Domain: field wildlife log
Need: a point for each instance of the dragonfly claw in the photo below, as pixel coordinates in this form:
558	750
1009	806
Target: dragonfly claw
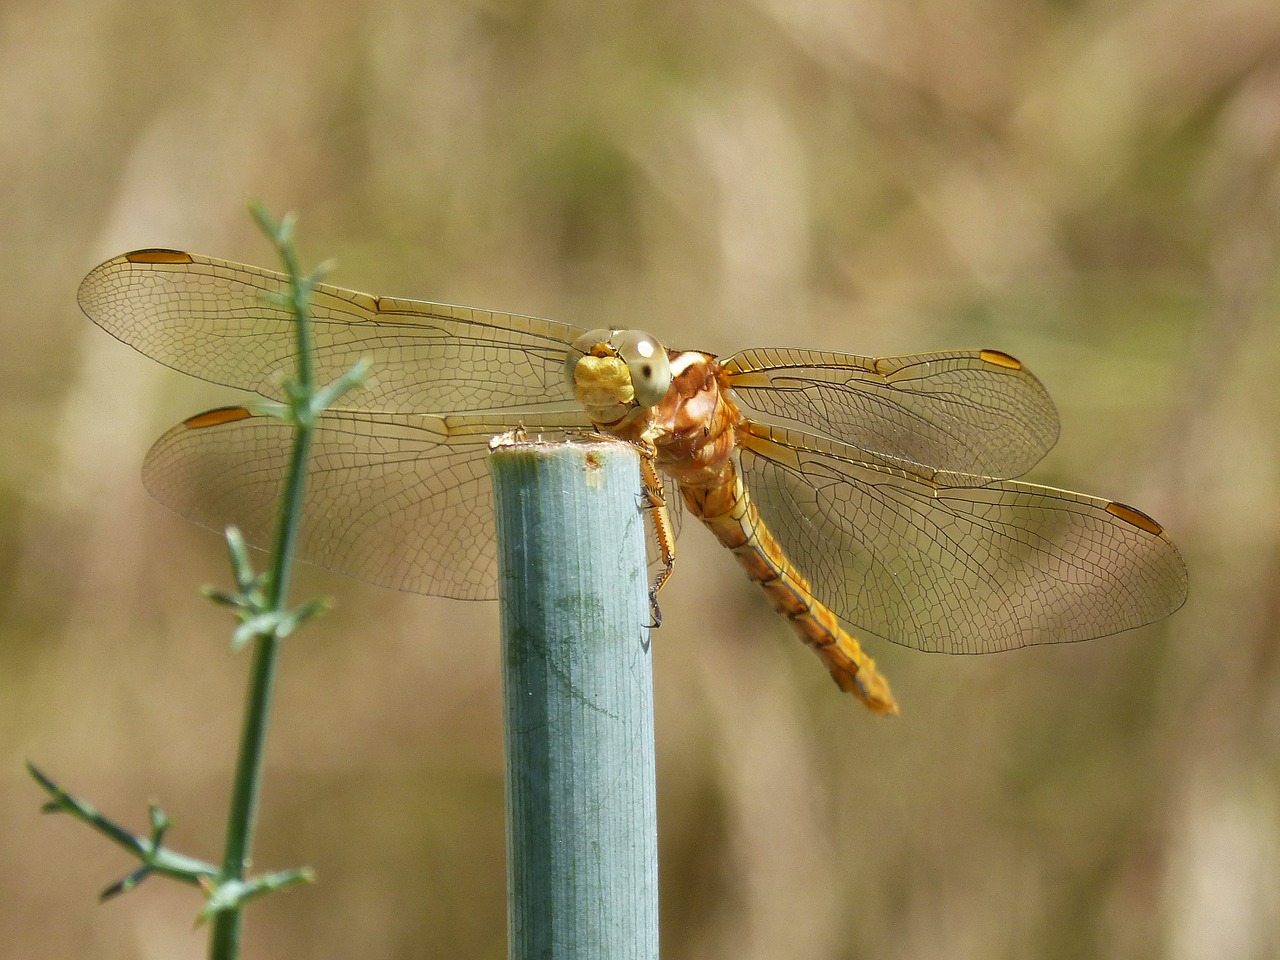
654	609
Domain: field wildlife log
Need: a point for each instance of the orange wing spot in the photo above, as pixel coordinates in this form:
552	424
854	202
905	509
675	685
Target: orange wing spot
158	255
215	418
1132	515
1000	359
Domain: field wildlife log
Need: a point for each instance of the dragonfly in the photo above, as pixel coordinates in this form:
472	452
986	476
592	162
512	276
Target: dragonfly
869	498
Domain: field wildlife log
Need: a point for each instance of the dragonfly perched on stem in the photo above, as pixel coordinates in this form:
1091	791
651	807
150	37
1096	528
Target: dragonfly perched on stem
869	497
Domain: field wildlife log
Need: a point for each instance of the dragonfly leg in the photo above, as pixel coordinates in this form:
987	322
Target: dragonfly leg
653	500
656	503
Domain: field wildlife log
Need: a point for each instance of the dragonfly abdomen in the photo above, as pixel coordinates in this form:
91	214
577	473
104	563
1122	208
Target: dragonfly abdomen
728	512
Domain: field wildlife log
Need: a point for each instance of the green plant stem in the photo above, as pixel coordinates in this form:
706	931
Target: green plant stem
224	943
261	603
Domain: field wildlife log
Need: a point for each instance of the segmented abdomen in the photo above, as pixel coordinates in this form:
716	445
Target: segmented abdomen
728	511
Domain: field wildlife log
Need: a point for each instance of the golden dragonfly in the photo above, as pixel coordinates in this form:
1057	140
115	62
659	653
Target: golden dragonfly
868	497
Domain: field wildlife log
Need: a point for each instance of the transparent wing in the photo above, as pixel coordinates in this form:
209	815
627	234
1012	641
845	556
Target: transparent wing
400	500
975	412
916	558
217	320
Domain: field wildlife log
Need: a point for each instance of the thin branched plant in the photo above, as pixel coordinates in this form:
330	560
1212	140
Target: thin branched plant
260	601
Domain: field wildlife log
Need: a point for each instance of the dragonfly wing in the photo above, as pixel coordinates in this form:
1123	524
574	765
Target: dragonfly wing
976	412
935	563
221	321
399	500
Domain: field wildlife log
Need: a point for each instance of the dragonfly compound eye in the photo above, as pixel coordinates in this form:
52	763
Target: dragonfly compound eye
646	359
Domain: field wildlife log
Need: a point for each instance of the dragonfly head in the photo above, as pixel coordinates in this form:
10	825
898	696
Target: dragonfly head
612	371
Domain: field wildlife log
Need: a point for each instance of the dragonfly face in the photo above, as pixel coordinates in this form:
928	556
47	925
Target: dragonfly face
611	371
867	495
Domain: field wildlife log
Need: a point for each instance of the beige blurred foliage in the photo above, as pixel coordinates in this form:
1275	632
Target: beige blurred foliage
1092	187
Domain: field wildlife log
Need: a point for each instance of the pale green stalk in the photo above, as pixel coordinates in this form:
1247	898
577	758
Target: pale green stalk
578	703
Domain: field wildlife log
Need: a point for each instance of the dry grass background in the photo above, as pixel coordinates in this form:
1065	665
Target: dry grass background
1092	187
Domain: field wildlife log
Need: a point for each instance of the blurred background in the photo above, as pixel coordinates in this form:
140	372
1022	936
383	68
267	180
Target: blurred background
1094	188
